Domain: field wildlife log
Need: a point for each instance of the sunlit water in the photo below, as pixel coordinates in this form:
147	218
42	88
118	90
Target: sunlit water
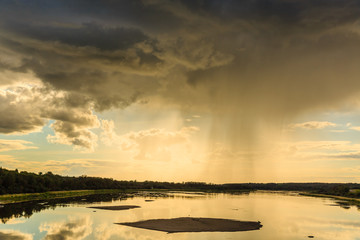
283	216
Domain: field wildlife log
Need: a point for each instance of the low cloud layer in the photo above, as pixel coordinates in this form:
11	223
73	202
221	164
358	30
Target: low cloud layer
313	125
152	144
14	235
9	145
67	167
318	151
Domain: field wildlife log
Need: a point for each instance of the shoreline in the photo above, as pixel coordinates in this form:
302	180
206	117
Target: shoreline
357	200
27	197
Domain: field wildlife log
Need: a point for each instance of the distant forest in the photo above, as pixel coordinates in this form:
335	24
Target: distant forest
13	181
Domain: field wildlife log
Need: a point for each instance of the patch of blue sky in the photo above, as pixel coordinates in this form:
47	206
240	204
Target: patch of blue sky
341	132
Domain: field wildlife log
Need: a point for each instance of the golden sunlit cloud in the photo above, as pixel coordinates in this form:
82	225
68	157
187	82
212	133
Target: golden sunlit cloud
9	145
313	125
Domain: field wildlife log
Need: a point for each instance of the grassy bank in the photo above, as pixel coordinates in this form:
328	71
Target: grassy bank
23	197
355	200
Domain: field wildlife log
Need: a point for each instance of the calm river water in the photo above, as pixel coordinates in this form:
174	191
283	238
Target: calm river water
283	216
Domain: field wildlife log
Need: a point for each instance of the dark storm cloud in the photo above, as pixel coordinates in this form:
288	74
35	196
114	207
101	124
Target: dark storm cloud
97	73
285	12
13	235
260	9
245	61
125	13
87	34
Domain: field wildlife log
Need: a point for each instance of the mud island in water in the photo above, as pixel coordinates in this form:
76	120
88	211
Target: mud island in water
116	208
189	224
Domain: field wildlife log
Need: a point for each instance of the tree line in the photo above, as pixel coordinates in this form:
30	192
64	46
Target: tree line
13	181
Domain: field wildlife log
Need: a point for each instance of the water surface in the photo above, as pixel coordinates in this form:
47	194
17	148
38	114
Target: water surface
283	216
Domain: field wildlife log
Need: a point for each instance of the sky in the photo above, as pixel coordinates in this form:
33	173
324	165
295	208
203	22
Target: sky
213	91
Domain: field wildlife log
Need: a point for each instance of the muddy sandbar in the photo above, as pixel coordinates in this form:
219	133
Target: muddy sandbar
189	224
116	208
